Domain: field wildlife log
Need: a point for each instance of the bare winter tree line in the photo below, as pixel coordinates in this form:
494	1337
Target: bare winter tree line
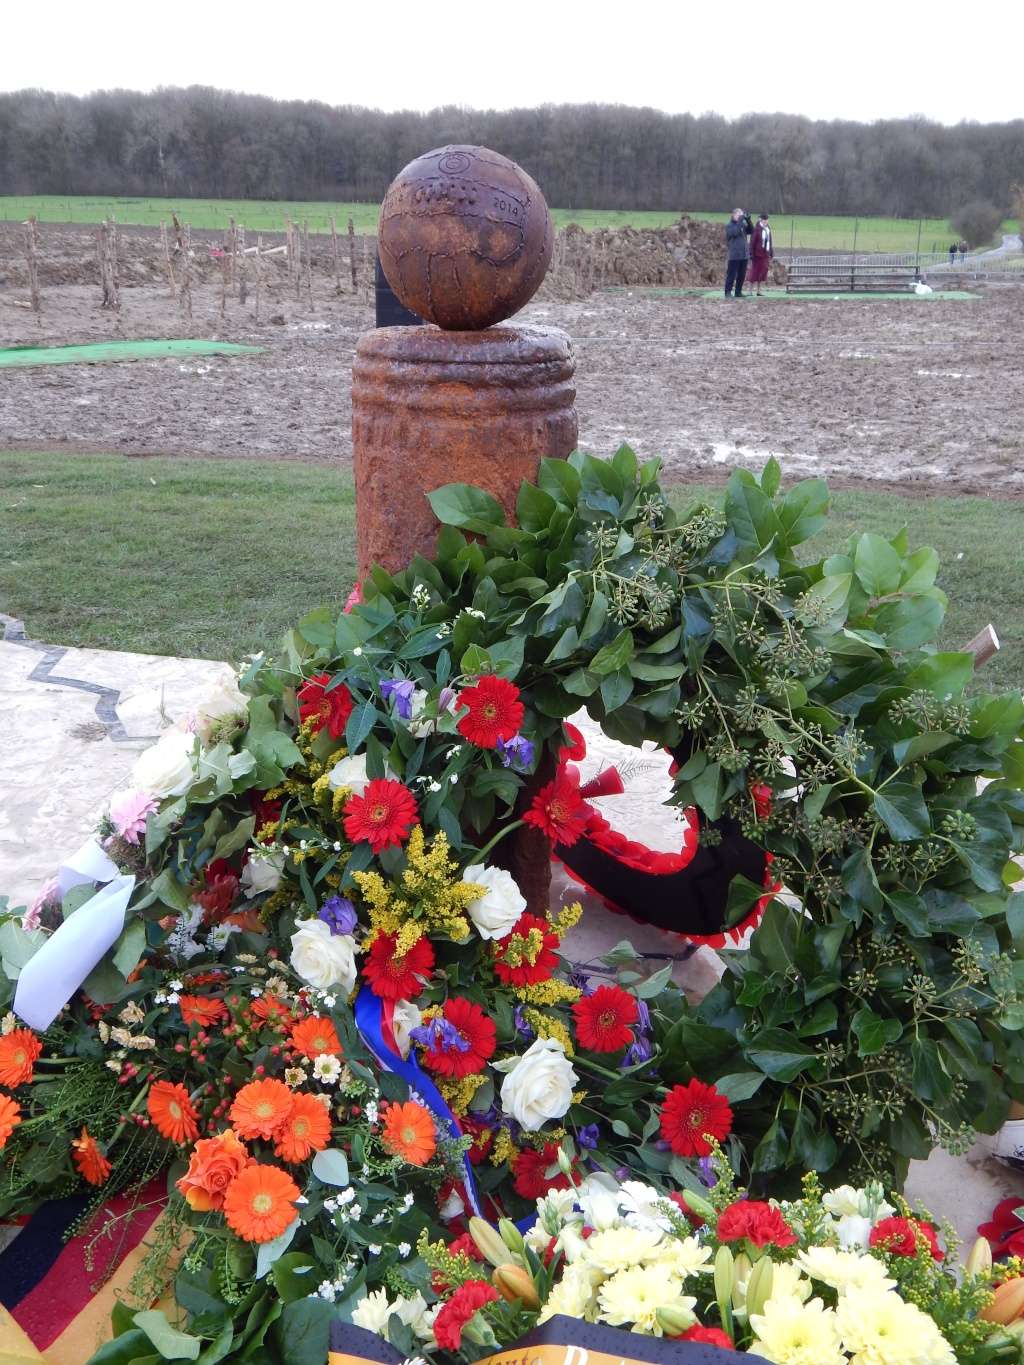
202	142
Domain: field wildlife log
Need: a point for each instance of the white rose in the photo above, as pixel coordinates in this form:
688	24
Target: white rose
842	1201
418	724
349	772
262	874
496	911
853	1231
324	959
453	1207
225	700
540	1086
406	1017
166	767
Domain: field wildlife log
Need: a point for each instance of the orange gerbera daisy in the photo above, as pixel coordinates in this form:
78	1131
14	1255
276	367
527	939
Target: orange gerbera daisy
315	1036
270	1007
409	1133
18	1052
198	1009
172	1111
260	1108
10	1117
259	1203
307	1129
92	1165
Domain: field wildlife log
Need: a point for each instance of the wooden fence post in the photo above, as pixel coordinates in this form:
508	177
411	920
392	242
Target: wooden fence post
309	261
259	272
334	246
352	253
168	264
106	239
31	252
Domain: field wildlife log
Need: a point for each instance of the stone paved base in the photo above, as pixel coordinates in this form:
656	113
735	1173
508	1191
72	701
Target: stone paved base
75	720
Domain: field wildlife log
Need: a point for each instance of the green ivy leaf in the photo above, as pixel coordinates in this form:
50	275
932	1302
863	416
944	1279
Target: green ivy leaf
804	510
740	1085
172	1344
780	1054
613	656
902	810
460	504
877	565
873	1033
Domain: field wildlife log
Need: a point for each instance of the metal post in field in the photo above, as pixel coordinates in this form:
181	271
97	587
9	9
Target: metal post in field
917	252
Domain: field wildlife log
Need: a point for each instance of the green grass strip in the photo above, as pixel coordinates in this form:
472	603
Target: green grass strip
216	558
777	295
102	352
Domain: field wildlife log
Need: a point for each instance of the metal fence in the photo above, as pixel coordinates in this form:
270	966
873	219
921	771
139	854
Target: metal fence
925	263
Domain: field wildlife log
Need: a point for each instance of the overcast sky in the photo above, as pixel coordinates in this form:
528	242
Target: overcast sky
864	61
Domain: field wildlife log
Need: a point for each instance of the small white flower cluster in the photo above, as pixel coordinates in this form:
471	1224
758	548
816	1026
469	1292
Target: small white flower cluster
373	1311
330	1289
169	996
326	1069
420	597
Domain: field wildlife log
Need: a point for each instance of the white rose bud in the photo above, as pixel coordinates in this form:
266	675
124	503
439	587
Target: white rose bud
262	874
540	1086
496	911
406	1017
225	700
324	959
349	772
166	767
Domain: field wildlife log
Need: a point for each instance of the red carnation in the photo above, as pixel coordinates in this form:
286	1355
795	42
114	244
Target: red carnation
394	977
464	1042
463	1244
331	708
266	810
530	1169
761	795
383	816
710	1336
527	955
494	711
463	1305
690	1112
757	1222
604	1019
901	1236
559	810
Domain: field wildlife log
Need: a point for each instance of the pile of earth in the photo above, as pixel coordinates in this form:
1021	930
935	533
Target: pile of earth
689	253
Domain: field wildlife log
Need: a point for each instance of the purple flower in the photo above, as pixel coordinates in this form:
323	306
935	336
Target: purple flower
339	914
643	1016
522	1027
638	1051
446	699
579	979
622	1173
440	1036
401	690
588	1136
707	1172
516	752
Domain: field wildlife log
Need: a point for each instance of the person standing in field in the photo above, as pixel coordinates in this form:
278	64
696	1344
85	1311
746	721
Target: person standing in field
762	251
952	252
737	230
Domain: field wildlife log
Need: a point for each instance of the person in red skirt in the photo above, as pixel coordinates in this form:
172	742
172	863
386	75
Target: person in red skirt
761	253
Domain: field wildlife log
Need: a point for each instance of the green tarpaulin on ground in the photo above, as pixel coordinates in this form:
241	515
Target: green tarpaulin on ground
101	352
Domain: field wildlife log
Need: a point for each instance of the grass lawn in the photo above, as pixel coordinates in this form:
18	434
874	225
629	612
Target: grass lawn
216	558
808	231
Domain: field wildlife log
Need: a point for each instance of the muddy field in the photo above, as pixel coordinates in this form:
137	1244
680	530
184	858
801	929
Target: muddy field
924	394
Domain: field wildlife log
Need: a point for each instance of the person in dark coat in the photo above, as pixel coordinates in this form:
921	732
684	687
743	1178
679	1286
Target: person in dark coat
952	252
737	230
762	250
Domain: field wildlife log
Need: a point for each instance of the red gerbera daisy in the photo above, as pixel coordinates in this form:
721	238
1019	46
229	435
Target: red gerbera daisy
482	1135
394	977
754	1221
761	795
527	955
331	708
576	749
710	1336
383	816
690	1112
462	1040
900	1237
463	1305
559	810
1004	1230
494	711
530	1169
604	1019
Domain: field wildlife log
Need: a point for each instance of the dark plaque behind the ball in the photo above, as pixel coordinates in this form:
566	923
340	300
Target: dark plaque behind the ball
391	312
465	237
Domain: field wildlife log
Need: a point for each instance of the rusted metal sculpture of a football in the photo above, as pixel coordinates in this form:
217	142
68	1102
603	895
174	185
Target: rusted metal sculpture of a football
465	237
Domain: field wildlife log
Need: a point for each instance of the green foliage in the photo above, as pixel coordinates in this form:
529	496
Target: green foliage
875	1011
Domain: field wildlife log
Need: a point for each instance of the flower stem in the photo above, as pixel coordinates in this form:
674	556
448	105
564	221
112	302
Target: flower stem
507	829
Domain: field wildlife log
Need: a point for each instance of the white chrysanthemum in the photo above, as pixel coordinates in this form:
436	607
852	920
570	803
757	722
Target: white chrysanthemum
789	1332
844	1270
372	1312
788	1283
634	1296
416	1315
843	1200
853	1231
619	1248
880	1328
574	1295
684	1256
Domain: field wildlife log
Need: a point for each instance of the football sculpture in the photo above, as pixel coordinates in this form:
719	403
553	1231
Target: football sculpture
465	237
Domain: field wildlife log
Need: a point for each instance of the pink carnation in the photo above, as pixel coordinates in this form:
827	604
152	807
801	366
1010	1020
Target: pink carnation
128	814
31	918
354	599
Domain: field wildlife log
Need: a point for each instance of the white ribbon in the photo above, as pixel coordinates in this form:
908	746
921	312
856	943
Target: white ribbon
52	975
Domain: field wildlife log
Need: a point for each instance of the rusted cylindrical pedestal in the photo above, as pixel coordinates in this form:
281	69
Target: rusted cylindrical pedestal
432	407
